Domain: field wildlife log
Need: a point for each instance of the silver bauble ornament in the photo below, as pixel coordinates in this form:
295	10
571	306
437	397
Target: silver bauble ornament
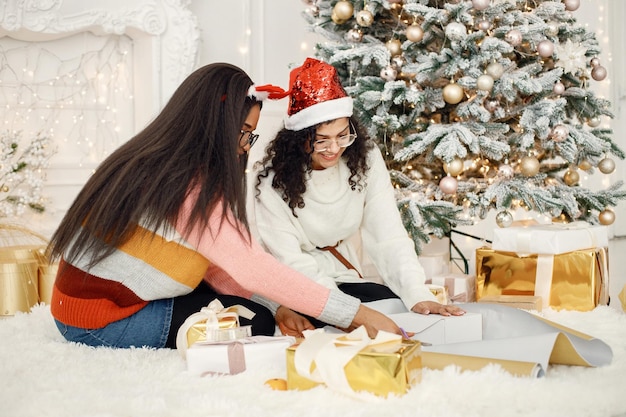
504	219
571	177
495	70
456	31
559	88
453	93
343	10
571	5
606	217
454	167
484	82
364	18
545	49
414	33
394	46
594	121
480	4
354	35
598	73
388	73
606	166
506	171
559	133
448	184
529	166
514	37
552	29
484	25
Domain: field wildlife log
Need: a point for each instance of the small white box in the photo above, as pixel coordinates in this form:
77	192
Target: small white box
236	356
435	329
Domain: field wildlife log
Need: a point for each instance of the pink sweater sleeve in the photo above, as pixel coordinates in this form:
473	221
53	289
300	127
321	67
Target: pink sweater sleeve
250	270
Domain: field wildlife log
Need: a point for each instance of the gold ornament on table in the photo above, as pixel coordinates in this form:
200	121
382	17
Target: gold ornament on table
529	166
453	93
606	166
606	217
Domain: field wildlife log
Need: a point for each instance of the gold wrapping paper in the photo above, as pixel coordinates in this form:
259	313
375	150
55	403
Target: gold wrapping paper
18	286
381	370
525	302
439	361
622	297
197	332
578	278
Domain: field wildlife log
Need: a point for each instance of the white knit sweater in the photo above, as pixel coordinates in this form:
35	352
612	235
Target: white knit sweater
335	213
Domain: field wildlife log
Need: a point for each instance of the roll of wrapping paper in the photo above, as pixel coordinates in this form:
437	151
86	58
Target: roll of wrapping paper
18	286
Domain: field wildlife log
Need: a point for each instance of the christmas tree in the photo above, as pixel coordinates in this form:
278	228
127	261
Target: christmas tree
476	105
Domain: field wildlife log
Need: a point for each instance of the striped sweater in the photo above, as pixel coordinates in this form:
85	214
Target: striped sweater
160	265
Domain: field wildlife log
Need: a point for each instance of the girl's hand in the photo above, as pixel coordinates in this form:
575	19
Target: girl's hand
291	323
433	307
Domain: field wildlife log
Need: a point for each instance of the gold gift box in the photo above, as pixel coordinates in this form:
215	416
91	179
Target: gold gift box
383	369
228	326
579	278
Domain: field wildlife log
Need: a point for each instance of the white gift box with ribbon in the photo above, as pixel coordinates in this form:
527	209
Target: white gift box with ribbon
548	240
253	353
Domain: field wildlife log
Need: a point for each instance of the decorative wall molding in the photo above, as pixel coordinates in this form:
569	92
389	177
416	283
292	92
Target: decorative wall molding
168	26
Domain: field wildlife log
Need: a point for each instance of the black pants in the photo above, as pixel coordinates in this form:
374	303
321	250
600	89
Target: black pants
263	322
364	291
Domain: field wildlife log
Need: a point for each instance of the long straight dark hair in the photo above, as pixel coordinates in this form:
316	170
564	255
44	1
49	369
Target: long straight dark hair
192	143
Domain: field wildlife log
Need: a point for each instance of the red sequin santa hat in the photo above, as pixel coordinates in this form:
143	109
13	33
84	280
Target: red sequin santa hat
316	95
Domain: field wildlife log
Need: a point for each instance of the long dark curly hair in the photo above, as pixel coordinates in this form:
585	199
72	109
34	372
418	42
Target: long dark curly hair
288	155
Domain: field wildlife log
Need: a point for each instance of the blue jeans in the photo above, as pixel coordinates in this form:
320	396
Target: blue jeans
148	327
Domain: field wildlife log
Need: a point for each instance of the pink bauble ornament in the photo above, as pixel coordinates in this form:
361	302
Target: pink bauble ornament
559	88
354	35
571	5
388	73
484	25
559	133
514	37
598	73
480	4
414	33
594	62
545	49
448	185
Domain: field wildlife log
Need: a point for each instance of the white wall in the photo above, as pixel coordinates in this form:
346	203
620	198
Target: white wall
266	38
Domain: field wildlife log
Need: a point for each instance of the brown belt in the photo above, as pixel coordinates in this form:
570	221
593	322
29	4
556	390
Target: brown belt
340	257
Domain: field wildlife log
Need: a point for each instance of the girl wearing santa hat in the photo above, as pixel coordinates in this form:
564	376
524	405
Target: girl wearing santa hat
322	182
160	229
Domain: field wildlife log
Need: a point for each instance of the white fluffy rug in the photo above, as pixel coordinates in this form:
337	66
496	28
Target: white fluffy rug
43	375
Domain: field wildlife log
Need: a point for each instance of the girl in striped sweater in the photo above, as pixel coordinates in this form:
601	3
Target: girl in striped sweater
160	230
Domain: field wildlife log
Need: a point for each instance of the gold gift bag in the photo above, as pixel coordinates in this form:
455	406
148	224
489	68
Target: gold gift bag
579	279
382	369
18	286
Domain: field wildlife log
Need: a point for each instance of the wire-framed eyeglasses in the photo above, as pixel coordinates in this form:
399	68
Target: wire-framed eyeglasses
341	141
250	139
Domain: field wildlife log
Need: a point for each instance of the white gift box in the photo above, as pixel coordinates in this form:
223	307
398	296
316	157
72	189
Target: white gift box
236	356
437	330
461	287
550	239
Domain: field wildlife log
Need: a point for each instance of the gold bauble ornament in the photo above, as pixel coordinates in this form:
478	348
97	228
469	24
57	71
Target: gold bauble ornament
606	166
5	188
453	93
594	121
342	12
277	384
585	165
529	166
454	167
365	18
606	217
484	82
571	177
394	46
414	33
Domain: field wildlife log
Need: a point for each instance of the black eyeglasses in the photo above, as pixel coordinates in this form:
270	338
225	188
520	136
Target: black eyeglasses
252	137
